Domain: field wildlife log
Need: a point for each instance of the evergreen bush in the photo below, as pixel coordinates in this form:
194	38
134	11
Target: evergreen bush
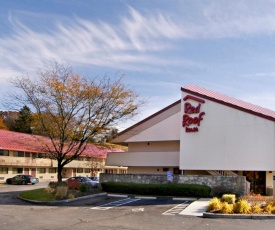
189	190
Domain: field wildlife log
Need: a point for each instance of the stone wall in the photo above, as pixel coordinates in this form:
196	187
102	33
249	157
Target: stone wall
236	184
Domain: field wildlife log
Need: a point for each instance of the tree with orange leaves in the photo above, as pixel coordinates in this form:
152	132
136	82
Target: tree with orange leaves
71	110
2	124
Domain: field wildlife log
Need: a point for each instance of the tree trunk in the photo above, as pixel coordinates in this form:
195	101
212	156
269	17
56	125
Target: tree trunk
59	171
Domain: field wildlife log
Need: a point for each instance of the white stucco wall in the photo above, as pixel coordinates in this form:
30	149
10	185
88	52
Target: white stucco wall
143	159
228	139
166	130
154	146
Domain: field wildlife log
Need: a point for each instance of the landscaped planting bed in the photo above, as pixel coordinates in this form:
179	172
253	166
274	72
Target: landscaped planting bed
249	204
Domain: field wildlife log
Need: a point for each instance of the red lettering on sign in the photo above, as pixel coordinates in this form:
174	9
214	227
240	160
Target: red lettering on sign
187	120
188	108
192	130
190	120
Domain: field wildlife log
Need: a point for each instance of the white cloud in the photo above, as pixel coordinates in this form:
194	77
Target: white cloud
134	43
80	41
261	75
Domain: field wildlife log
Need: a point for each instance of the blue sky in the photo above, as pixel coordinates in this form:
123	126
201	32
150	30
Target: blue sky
160	45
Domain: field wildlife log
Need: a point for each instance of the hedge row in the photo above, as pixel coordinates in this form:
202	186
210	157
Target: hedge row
189	190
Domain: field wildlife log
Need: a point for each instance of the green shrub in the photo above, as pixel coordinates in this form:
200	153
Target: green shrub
229	198
242	207
214	204
226	208
83	188
190	190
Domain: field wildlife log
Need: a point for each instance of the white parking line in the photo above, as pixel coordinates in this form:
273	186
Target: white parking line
177	209
115	204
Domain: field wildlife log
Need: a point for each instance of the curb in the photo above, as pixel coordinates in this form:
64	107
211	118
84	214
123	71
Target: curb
104	194
238	216
63	201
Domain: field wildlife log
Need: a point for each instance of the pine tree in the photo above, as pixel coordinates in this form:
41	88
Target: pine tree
24	120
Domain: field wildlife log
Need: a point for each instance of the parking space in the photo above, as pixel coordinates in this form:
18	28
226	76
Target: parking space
162	206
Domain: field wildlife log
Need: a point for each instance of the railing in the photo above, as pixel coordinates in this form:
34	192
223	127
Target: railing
28	161
75	164
24	161
222	173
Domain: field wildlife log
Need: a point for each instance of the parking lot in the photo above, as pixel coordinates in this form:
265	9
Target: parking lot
108	213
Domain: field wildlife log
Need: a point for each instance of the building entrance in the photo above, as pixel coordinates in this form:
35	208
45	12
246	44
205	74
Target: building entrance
257	181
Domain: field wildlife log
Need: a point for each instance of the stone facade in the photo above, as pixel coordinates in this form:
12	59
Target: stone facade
236	184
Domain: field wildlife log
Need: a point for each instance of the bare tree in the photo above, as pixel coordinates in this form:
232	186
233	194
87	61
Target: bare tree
96	164
71	109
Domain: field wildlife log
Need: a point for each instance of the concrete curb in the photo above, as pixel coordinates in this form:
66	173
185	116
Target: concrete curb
238	216
63	201
103	194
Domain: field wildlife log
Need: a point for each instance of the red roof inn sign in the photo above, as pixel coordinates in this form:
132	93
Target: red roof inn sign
192	115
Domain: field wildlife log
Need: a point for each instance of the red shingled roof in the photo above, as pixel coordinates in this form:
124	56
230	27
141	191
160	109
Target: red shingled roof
229	101
32	143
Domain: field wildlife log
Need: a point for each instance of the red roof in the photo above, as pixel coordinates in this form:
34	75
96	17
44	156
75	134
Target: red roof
229	101
32	143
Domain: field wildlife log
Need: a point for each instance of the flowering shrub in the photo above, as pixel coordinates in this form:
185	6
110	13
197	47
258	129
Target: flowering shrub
73	184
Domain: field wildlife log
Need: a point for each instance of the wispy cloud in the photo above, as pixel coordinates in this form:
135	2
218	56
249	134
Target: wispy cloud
129	45
261	75
227	19
135	43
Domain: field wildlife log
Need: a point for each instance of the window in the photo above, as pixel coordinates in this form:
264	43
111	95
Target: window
27	154
41	155
52	170
3	170
165	169
87	170
17	170
41	170
18	154
4	152
79	170
33	155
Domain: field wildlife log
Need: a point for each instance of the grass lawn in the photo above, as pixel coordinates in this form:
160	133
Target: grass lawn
37	194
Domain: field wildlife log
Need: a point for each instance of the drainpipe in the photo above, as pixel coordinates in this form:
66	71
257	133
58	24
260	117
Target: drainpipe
273	184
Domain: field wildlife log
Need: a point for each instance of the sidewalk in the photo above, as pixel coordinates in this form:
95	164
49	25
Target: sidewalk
197	208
